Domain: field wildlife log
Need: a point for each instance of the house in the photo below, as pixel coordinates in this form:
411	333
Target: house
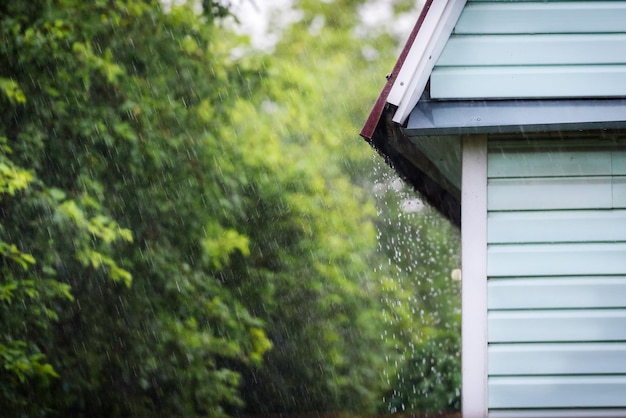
509	116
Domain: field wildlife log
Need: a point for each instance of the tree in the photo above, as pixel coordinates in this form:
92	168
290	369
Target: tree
424	318
110	110
310	106
307	273
183	232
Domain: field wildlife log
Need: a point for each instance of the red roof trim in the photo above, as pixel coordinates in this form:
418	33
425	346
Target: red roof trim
368	129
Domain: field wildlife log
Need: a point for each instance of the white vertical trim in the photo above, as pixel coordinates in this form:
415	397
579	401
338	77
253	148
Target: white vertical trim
423	55
474	281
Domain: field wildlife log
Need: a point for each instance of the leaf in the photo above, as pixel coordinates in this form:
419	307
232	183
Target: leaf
56	194
12	91
13	179
118	274
7	291
260	344
13	253
219	248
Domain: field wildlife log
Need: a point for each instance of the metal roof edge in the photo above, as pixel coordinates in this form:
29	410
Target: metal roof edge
423	55
376	113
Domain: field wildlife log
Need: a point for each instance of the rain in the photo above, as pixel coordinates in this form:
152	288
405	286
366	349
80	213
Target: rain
190	224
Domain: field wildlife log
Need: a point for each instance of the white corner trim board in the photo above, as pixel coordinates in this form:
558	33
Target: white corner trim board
474	281
423	55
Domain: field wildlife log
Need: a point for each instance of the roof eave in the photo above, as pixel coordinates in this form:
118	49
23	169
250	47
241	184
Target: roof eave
407	81
391	142
376	113
424	53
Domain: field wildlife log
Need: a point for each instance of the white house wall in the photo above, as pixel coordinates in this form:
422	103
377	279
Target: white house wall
556	268
532	49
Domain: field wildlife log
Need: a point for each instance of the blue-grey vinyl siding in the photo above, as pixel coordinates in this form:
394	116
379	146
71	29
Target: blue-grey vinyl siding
534	49
556	263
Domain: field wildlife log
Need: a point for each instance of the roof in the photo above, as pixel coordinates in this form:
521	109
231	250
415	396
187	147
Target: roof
472	67
408	78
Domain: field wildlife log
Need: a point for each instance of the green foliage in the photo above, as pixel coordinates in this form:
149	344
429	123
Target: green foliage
110	284
185	234
12	91
422	318
430	380
328	352
221	244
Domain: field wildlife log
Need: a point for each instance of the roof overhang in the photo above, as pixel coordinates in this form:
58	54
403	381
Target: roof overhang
408	79
421	137
412	161
422	56
426	151
404	86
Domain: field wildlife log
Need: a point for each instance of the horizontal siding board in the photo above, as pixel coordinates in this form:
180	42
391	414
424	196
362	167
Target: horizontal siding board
556	226
544	163
550	193
533	1
619	191
557	392
541	260
557	359
558	49
619	163
556	266
589	141
558	413
557	293
542	17
528	82
556	326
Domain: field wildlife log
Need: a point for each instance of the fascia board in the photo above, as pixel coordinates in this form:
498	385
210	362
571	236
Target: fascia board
423	55
514	116
416	51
